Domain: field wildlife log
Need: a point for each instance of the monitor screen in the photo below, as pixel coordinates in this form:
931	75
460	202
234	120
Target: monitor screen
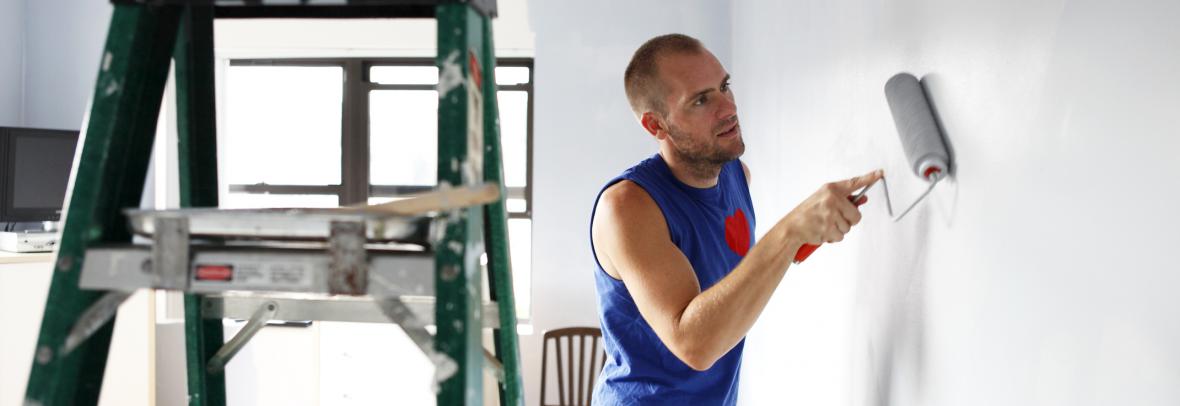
37	167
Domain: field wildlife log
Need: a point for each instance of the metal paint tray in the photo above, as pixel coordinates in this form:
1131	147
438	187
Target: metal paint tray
286	224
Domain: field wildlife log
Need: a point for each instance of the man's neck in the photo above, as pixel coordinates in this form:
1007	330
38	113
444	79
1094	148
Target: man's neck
700	175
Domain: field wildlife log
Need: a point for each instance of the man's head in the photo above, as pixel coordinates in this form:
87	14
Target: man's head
681	95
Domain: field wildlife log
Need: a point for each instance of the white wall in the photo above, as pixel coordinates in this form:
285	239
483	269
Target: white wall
12	32
585	134
63	41
1041	273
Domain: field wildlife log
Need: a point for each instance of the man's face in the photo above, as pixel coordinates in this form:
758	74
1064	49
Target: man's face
702	122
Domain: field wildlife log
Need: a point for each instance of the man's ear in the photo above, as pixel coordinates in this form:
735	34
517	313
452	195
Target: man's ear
653	124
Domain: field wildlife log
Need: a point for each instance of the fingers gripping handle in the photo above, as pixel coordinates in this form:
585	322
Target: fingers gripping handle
806	250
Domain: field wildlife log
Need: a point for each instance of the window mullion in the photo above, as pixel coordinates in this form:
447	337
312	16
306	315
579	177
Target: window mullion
354	157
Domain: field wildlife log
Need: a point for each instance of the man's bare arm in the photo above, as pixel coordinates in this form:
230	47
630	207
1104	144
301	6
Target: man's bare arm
632	241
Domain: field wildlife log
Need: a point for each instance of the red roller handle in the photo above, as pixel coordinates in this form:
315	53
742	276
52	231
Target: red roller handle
806	250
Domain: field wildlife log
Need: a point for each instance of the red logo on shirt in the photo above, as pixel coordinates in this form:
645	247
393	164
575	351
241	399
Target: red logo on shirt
737	232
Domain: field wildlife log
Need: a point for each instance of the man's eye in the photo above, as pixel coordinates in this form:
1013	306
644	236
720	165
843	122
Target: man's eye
699	101
725	87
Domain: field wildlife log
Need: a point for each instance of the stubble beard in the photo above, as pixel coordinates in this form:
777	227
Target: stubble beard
703	158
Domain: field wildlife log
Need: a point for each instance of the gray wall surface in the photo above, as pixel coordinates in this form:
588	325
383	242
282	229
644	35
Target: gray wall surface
12	32
63	43
1041	274
585	134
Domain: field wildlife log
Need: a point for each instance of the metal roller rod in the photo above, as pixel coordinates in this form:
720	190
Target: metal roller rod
889	204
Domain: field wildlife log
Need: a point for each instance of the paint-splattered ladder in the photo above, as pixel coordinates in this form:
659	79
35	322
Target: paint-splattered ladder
347	277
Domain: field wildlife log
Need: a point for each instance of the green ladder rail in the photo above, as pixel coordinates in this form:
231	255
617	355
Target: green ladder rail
143	37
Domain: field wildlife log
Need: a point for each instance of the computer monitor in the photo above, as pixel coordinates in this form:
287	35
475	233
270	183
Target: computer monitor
34	172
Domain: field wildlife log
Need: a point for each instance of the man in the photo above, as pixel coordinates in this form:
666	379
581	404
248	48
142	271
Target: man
680	280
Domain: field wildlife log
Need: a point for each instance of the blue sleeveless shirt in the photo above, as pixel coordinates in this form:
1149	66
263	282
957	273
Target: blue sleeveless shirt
713	228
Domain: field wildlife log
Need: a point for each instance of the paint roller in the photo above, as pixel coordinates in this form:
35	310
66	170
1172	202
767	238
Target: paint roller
920	138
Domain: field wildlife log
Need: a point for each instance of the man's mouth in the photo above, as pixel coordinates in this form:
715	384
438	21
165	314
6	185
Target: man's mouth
729	132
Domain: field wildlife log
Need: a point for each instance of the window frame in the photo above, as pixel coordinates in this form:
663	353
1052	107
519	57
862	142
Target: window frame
355	181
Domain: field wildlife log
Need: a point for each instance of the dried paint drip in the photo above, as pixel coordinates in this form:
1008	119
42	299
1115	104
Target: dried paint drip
444	368
112	88
451	75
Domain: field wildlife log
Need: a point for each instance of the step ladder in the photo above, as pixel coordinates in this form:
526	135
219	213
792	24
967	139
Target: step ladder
413	262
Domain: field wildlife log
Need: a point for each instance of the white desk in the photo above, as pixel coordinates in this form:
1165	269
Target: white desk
15	258
24	286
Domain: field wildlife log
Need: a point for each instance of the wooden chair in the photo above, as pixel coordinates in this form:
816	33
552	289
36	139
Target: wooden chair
575	376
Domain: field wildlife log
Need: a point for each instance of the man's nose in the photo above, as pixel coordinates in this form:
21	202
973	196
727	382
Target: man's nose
728	107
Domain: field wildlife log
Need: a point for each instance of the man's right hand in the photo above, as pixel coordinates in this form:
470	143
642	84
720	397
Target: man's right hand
827	215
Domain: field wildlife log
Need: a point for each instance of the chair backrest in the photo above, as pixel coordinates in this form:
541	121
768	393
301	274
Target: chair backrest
579	358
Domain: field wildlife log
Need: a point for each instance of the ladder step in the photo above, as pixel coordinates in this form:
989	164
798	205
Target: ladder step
407	220
217	269
286	224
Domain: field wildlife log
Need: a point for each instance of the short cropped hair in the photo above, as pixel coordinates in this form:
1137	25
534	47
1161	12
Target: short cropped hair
642	81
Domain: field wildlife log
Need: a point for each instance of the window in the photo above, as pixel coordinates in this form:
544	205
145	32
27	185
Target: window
329	132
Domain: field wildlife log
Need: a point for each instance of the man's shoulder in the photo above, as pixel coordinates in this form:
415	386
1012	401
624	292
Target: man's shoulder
626	197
